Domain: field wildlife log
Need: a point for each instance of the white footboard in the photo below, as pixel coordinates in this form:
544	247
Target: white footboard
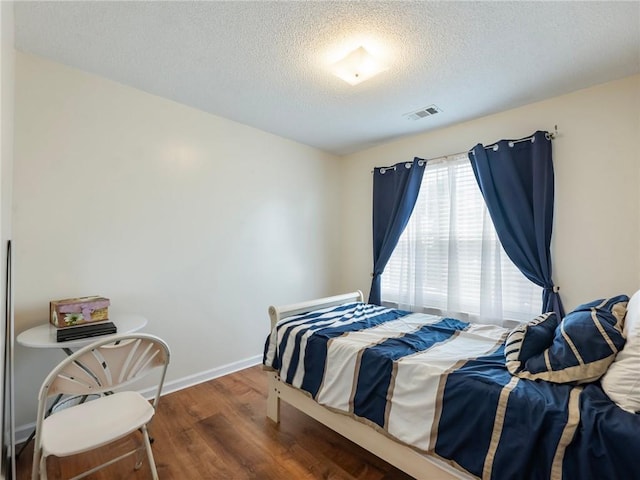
401	456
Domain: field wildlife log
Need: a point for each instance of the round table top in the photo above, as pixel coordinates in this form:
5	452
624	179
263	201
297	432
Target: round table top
44	336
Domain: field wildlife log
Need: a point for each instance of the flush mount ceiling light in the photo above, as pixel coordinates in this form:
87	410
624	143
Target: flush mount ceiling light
357	66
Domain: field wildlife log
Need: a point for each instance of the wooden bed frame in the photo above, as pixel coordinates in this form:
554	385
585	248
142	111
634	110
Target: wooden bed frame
400	455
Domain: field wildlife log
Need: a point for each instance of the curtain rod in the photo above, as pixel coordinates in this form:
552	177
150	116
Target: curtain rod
494	146
551	136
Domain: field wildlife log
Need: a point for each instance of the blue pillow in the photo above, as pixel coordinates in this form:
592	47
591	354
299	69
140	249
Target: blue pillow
585	343
529	339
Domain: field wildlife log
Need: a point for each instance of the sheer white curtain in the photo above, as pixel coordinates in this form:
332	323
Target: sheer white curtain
449	259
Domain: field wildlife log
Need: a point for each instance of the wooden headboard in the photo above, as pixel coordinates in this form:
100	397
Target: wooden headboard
278	313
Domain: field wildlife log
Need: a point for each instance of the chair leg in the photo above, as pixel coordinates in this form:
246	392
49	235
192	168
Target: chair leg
36	465
43	467
147	444
141	452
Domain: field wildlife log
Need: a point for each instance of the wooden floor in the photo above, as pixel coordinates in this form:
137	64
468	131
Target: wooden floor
219	430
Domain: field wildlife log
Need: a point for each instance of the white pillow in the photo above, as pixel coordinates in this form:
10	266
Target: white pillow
622	380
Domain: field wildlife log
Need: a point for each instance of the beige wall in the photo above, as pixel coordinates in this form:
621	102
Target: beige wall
596	234
197	222
200	223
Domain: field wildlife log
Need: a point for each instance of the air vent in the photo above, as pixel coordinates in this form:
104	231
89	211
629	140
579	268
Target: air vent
423	112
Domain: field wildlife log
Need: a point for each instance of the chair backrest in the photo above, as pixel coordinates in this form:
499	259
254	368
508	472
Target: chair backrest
108	364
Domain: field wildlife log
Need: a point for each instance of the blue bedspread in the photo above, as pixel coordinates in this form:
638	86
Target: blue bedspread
441	386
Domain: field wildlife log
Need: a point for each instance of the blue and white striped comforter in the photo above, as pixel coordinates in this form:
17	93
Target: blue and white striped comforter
441	386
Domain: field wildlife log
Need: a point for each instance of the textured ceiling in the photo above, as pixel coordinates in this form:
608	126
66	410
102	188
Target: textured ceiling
264	63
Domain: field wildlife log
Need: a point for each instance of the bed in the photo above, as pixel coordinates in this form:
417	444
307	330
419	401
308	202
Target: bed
395	383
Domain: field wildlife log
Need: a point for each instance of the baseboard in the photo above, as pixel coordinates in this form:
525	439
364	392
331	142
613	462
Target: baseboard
23	431
191	380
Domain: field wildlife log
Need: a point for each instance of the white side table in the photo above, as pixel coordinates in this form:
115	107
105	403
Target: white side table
44	336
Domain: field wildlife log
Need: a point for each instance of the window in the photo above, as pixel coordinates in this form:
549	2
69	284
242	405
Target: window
449	260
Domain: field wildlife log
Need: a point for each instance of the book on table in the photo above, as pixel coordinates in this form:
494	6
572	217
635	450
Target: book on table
87	330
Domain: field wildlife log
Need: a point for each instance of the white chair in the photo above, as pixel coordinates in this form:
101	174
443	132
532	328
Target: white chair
103	367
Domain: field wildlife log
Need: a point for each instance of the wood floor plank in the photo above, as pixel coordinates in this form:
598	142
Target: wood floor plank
218	430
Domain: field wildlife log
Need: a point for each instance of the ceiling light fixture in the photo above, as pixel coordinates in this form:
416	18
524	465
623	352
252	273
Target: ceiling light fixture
357	66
